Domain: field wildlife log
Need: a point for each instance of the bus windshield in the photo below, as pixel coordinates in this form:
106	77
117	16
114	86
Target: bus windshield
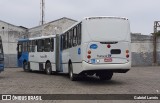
108	29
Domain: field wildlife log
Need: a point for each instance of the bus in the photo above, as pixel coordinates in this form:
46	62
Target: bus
1	56
95	46
98	46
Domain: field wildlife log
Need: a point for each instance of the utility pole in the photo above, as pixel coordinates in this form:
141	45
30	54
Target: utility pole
42	12
156	26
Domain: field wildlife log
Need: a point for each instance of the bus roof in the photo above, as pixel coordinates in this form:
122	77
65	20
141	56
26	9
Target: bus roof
41	37
23	39
106	17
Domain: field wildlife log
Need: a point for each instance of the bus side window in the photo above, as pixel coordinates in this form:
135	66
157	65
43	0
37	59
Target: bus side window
61	42
52	44
19	48
47	45
75	37
24	47
79	34
68	36
29	46
33	46
64	42
71	38
40	45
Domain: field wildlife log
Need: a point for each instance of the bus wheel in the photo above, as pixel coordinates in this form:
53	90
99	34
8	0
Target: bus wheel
25	67
72	76
106	76
48	69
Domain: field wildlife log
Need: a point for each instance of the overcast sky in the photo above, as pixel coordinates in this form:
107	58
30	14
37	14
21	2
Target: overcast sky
141	13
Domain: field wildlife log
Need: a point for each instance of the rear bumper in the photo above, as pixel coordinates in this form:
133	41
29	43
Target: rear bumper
121	68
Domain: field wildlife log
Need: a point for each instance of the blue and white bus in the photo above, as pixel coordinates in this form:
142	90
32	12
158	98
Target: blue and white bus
1	56
95	46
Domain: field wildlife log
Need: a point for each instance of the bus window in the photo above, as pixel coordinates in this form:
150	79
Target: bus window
71	38
75	37
79	34
24	47
47	45
61	42
64	42
29	46
33	45
40	45
52	44
19	47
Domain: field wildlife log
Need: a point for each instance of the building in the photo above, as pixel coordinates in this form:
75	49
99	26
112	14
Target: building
10	33
51	28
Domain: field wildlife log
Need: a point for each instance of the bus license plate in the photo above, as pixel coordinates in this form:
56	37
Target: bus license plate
108	60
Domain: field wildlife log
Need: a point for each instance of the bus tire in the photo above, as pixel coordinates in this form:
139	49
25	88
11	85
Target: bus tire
25	66
72	76
106	76
48	69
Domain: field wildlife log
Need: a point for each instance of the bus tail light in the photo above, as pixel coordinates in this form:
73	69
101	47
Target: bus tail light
89	51
127	56
108	46
127	53
88	56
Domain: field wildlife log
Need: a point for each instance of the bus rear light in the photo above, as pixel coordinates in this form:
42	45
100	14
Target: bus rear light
88	56
127	51
89	52
127	56
108	46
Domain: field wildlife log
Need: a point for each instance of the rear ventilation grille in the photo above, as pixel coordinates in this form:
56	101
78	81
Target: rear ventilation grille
115	51
109	42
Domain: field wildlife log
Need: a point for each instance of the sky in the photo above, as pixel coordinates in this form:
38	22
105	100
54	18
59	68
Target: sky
141	13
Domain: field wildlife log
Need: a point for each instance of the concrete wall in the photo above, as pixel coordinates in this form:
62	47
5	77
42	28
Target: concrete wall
10	34
142	50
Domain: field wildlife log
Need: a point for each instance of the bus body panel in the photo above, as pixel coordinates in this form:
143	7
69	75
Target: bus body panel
24	57
110	31
73	55
116	52
41	58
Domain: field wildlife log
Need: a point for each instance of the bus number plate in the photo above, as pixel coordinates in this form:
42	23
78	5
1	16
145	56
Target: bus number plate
108	60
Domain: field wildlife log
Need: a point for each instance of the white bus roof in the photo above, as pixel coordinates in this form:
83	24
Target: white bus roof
102	17
42	37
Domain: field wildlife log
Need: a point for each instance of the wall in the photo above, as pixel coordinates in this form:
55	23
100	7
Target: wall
10	34
142	50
